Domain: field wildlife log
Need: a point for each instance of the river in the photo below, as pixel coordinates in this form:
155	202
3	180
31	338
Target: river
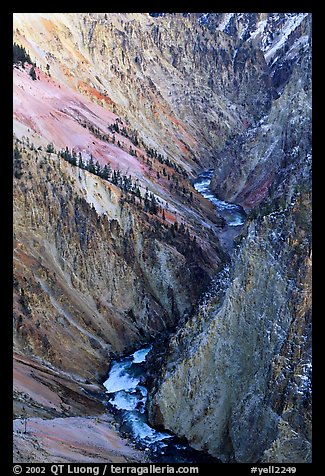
125	387
127	397
233	214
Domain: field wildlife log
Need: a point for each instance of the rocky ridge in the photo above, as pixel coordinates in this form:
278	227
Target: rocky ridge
257	162
105	276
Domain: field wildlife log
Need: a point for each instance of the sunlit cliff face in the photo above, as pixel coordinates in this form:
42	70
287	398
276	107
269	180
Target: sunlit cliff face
164	75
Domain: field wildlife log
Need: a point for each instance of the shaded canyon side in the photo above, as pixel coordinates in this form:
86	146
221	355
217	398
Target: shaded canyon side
236	380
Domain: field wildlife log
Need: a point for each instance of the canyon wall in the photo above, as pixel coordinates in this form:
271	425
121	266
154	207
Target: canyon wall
255	164
236	380
184	87
96	276
93	273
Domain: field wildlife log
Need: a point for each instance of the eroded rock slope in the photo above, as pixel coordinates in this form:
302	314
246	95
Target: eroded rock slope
96	274
237	378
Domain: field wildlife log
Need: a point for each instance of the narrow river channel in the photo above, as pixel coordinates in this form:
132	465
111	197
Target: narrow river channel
127	400
127	394
233	214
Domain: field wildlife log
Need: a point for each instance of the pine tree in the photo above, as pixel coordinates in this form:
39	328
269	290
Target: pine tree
65	154
153	205
114	178
80	161
17	163
182	228
24	419
106	172
50	148
73	159
138	193
97	168
32	73
146	200
91	165
127	183
20	55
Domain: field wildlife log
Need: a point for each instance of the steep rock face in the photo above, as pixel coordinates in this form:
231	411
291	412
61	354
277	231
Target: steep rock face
92	273
255	164
241	390
99	276
236	379
280	36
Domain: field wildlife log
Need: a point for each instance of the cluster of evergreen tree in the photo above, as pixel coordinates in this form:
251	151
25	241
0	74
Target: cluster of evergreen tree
115	128
20	55
154	154
106	137
131	134
151	152
95	130
184	242
150	203
92	166
124	182
178	236
181	189
32	73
